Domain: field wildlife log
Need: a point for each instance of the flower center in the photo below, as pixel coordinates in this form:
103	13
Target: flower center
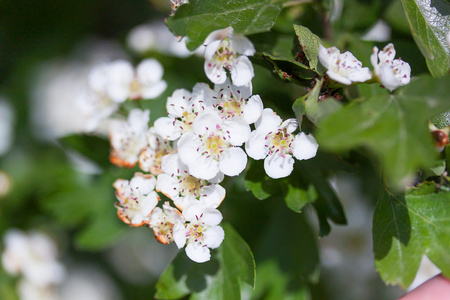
280	141
186	120
232	107
164	228
135	89
215	144
224	53
191	185
195	233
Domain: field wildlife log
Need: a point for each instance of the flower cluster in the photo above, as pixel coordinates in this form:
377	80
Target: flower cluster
32	256
187	154
346	69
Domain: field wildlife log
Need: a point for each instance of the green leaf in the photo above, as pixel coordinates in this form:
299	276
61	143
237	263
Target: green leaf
394	126
258	182
430	22
220	278
314	109
406	227
310	45
200	17
297	198
286	68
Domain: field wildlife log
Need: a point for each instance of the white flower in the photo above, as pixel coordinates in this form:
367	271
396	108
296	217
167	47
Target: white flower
184	189
29	291
164	221
392	73
156	37
274	142
234	101
226	50
201	233
212	146
119	81
182	109
128	138
150	158
32	255
137	199
343	68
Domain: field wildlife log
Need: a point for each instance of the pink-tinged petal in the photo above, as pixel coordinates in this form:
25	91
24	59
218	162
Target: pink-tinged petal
256	146
153	91
203	167
253	109
214	237
238	131
198	253
207	122
178	103
166	128
242	71
215	71
233	161
269	122
277	166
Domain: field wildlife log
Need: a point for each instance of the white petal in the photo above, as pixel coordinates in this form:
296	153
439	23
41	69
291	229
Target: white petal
211	49
256	146
277	166
189	147
207	122
338	77
237	129
166	128
304	146
215	72
149	71
178	103
242	71
170	164
241	44
290	124
252	109
203	167
233	161
153	91
179	236
166	185
214	237
213	195
198	253
269	122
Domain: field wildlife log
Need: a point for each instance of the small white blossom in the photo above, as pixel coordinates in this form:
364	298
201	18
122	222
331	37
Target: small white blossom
234	101
213	146
137	199
392	73
184	189
177	3
343	68
228	51
34	256
200	233
119	81
164	221
128	138
150	158
156	37
182	109
274	141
